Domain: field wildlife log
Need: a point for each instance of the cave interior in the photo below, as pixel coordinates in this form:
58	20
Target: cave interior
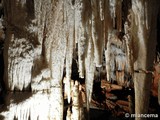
77	60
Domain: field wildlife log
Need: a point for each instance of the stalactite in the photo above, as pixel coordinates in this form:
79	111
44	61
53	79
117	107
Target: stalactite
80	36
101	6
22	2
18	50
110	57
119	14
70	45
109	25
97	33
18	63
41	73
90	69
112	9
128	40
68	89
146	14
107	58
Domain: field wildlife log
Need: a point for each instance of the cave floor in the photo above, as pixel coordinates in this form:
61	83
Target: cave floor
112	103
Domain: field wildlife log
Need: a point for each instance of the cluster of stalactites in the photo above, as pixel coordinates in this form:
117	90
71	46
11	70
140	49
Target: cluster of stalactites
63	27
60	28
86	20
89	26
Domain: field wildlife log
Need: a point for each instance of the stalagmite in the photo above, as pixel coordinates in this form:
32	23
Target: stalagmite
76	112
22	109
68	117
76	101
